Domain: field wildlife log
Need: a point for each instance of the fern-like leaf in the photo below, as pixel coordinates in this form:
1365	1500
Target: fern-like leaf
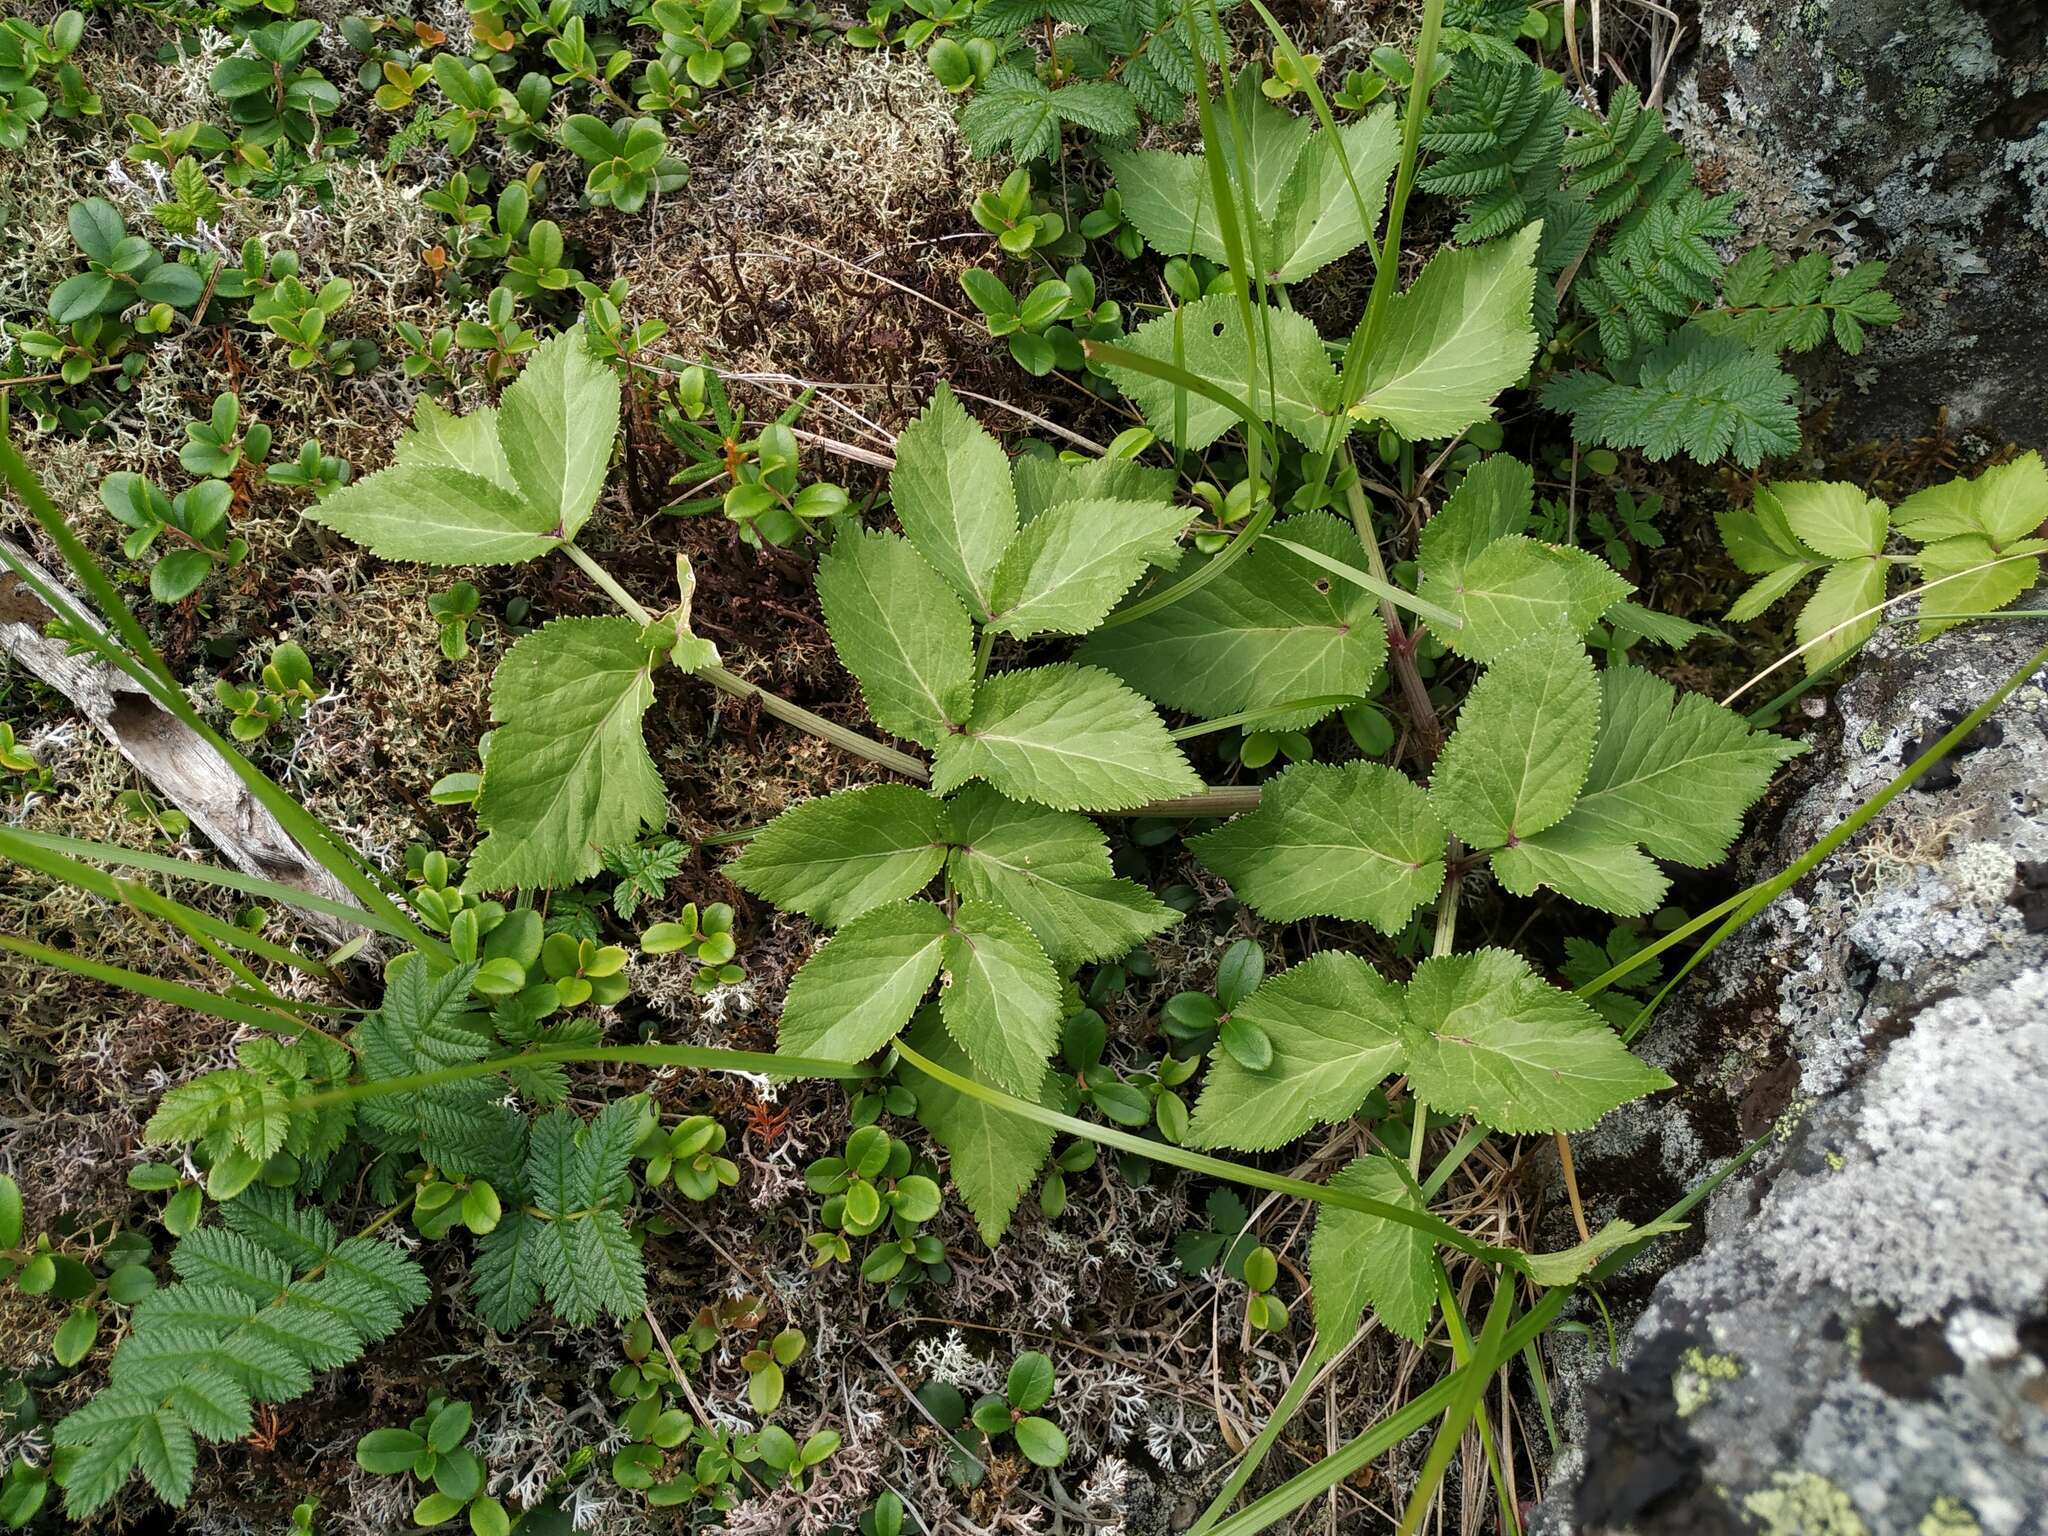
1699	394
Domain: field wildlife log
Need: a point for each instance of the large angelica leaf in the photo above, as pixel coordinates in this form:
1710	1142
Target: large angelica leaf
952	493
1072	563
1295	386
556	424
1002	998
1357	1261
835	857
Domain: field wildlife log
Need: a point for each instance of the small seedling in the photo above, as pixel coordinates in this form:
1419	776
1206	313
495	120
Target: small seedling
777	1448
869	1187
287	688
765	1364
433	1450
688	1156
193	524
629	160
217	445
708	937
26	776
1263	1310
453	610
1028	1388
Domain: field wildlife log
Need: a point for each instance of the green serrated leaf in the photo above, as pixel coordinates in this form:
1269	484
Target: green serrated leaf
1524	740
1272	628
951	489
435	515
1489	1038
900	632
1336	1029
1071	565
1357	1261
1576	861
1843	611
1071	737
1052	869
1001	999
1207	338
468	443
1494	501
1833	518
1357	841
568	774
835	857
1516	587
2006	502
1568	1266
860	987
993	1155
1974	576
1459	336
556	425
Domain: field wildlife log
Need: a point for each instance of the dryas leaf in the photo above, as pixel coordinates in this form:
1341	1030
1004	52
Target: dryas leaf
1052	869
1071	565
1272	628
992	1154
1524	740
1454	340
952	493
568	774
1335	1025
1674	773
1357	1261
556	424
860	987
1001	1000
1489	1038
435	515
900	632
835	857
1356	841
1070	737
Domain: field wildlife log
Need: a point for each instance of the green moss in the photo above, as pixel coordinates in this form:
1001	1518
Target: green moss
1804	1504
1692	1384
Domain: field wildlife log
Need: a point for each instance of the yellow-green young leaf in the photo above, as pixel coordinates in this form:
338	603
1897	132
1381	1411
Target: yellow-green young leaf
556	425
1335	1025
1766	590
1272	628
1052	869
1673	773
900	631
1073	738
1489	1038
568	773
2007	502
1357	1261
1843	611
1524	740
993	1155
860	987
1516	587
1569	1265
468	443
1494	501
952	493
835	857
435	515
1761	541
1833	518
1320	218
1577	862
1454	340
1356	841
1001	1000
1207	338
1979	578
1070	565
10	1213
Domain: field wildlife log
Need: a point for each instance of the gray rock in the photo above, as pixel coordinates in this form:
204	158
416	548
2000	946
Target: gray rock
1853	1340
1915	131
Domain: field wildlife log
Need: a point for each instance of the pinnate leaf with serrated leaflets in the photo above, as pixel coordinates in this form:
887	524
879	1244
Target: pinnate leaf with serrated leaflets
834	857
860	987
1524	739
992	1154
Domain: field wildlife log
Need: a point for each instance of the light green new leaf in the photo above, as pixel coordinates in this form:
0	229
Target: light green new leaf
1069	567
1494	501
1070	737
1832	518
900	631
1516	587
1335	1025
1356	841
860	987
2006	502
835	857
1524	740
1674	773
1319	220
1356	1260
1844	608
468	443
992	1154
1974	577
568	774
1272	628
1454	340
1761	541
1766	590
1052	869
1043	480
1207	338
556	425
434	515
1568	1266
1580	863
951	488
1489	1038
1002	999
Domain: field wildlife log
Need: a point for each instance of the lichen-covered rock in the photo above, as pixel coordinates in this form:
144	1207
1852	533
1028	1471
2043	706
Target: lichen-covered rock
1855	1342
1915	130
